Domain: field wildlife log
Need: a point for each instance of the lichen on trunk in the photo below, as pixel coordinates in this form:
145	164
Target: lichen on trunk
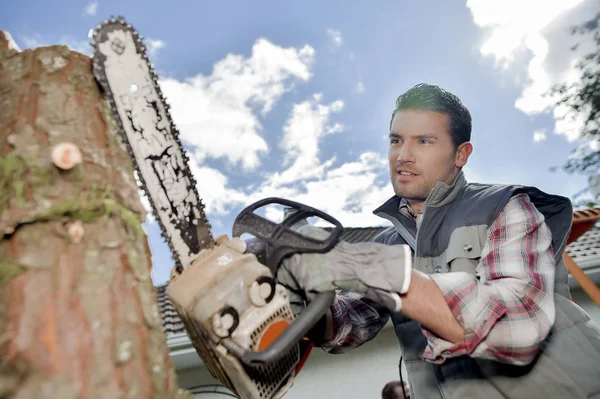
78	310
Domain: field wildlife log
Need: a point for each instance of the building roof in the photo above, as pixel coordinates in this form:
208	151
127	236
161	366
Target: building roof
172	324
585	252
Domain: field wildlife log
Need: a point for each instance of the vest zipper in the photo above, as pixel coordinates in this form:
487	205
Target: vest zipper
419	225
437	380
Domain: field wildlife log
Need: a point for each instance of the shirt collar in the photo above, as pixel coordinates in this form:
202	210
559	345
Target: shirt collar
405	209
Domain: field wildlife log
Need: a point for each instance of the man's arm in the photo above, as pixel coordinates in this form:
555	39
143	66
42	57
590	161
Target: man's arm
506	310
425	303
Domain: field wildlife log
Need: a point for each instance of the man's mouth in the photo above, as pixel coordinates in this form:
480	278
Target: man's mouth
405	173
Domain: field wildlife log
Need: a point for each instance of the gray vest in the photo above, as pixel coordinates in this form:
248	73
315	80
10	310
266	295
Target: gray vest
450	239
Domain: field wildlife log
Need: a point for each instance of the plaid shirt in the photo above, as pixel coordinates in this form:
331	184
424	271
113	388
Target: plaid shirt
506	309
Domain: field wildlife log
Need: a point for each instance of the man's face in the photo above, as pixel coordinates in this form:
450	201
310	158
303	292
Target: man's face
421	153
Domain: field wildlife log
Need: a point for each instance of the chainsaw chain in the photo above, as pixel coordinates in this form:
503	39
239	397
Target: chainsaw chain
100	74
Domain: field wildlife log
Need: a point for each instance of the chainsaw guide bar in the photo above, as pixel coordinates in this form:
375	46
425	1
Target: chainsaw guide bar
141	112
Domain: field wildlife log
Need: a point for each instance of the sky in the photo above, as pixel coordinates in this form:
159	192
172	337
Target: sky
293	99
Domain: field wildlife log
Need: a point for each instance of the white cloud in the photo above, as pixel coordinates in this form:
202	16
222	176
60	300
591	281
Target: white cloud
11	42
307	125
91	8
539	135
228	104
153	45
212	188
150	218
223	103
336	37
349	191
360	87
540	30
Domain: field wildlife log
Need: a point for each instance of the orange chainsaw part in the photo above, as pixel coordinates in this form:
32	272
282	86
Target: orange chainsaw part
306	346
274	331
271	334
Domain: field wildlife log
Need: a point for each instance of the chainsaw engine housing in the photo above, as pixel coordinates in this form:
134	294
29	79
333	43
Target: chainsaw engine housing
227	294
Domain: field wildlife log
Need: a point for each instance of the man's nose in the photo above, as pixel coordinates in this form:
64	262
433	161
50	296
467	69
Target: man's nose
405	154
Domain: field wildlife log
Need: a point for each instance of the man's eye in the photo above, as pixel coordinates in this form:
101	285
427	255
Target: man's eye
424	141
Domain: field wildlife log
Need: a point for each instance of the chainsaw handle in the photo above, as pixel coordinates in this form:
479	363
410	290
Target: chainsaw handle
272	243
290	336
278	240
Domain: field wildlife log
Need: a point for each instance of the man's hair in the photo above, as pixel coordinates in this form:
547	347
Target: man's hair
433	98
389	390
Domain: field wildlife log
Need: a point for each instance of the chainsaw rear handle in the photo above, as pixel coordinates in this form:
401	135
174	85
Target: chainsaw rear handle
290	336
275	241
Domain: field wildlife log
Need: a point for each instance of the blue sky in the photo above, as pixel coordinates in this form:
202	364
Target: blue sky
293	99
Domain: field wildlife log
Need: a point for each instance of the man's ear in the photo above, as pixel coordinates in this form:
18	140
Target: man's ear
463	153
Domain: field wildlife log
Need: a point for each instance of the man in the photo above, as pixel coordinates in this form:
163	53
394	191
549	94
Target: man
471	274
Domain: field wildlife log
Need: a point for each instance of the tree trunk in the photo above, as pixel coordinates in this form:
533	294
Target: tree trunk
78	311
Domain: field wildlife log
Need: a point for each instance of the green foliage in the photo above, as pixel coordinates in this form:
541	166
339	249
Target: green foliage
582	98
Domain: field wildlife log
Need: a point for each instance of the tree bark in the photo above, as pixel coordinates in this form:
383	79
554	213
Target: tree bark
78	310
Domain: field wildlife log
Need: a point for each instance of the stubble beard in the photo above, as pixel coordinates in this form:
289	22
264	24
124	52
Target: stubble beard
418	193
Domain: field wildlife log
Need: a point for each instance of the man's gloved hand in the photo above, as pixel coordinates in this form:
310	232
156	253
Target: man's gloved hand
379	272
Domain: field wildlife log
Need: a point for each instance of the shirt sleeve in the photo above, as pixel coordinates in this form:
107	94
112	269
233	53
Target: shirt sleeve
507	308
356	320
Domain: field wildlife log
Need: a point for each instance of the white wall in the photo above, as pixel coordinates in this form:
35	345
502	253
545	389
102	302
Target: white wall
361	373
581	298
194	377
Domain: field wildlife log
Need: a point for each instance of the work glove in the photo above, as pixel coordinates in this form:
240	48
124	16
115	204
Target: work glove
379	272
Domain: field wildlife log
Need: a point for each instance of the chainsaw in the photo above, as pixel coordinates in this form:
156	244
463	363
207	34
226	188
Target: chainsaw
238	317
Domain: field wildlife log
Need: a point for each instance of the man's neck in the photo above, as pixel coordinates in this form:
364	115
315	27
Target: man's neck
416	206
